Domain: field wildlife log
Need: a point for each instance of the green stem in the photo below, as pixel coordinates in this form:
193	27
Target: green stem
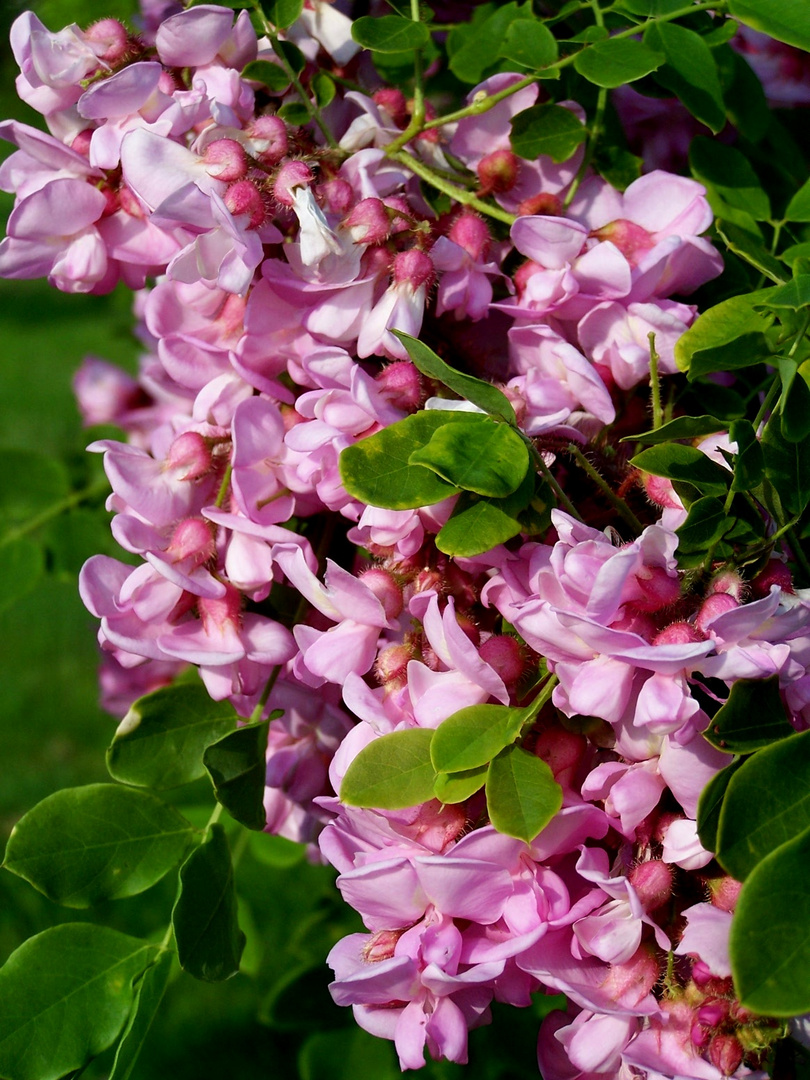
776	385
98	487
224	487
533	710
481	104
459	194
256	715
551	480
618	504
417	121
655	385
596	125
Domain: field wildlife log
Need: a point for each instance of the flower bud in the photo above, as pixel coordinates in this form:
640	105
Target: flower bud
391	667
243	197
394	103
336	195
652	881
402	384
368	222
562	751
190	455
498	171
413	268
292	174
470	232
632	240
221	614
775	573
108	38
81	143
679	633
192	539
661	492
699	1036
268	139
725	1053
385	589
543	204
380	946
503	653
727	581
658	589
724	892
712	606
631	981
225	159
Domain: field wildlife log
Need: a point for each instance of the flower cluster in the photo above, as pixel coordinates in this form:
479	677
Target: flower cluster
272	263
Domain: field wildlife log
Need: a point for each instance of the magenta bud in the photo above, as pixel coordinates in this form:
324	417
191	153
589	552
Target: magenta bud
727	581
385	589
368	222
190	455
632	240
775	573
714	605
192	539
658	589
292	174
714	1012
243	197
380	946
701	973
724	892
726	1053
503	653
109	40
222	614
401	383
561	750
661	492
400	215
678	633
413	268
225	159
524	273
699	1036
268	139
543	204
394	103
336	195
652	881
81	143
168	84
470	232
498	171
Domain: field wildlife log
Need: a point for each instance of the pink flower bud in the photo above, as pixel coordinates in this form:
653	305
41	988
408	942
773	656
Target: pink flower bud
292	174
523	275
268	139
726	1053
713	1012
634	979
652	881
168	84
190	455
562	751
192	539
543	204
81	144
775	573
402	384
109	40
661	492
658	589
503	653
336	195
394	103
701	973
221	615
400	214
699	1036
632	240
470	232
380	946
727	581
712	606
413	268
391	667
225	159
678	633
130	203
724	892
385	589
243	197
368	222
498	171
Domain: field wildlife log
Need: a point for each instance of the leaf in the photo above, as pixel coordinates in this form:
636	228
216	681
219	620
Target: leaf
749	461
346	1055
100	842
276	851
751	248
728	174
237	765
769	943
489	459
798	209
389	33
546	130
690	72
323	87
706	523
148	996
22	564
746	104
731	335
522	794
282	13
294	113
391	773
66	994
473	736
458	787
710	804
793	296
787	466
529	42
752	717
685	463
29	484
271	75
480	393
767	804
291	53
795	401
612	63
377	470
786	21
160	741
478	524
473	48
682	427
206	930
650	7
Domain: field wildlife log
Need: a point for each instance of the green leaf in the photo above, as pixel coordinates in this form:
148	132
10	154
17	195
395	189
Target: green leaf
282	13
710	804
530	43
473	736
489	459
389	33
746	104
650	8
522	794
100	842
160	742
793	296
767	804
478	524
613	62
323	87
690	72
346	1055
706	523
391	773
377	470
748	246
22	564
546	130
291	53
276	851
749	461
294	113
617	165
66	995
237	766
29	484
752	717
731	335
795	400
271	75
786	21
798	209
787	466
480	393
682	427
460	786
206	930
148	996
684	463
473	48
729	178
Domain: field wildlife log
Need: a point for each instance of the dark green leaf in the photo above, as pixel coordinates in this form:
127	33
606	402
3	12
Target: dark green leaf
522	794
276	850
458	787
787	466
22	564
294	113
478	524
291	53
490	458
731	335
347	1055
389	33
148	996
237	766
798	209
769	944
29	484
209	941
690	72
66	995
786	21
550	130
748	246
100	842
651	7
795	401
729	178
480	393
473	48
766	805
323	88
377	470
160	742
614	62
749	461
686	463
473	736
530	43
282	13
706	523
617	165
269	74
391	773
682	427
752	717
710	804
746	104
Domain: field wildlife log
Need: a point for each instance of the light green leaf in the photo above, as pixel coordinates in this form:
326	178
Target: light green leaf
798	209
550	130
530	43
66	995
237	766
749	246
522	794
473	47
794	295
100	842
271	75
786	20
389	33
706	523
209	941
728	336
473	736
149	993
29	484
690	72
489	459
460	786
294	113
614	62
682	427
391	773
478	524
323	87
282	13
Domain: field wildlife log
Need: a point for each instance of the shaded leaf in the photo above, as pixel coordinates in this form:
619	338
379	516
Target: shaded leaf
682	427
787	466
749	461
389	33
728	174
282	13
237	766
550	130
529	42
798	209
346	1055
271	75
690	72
522	794
473	48
391	773
752	717
22	564
786	21
706	523
149	993
710	804
29	484
614	62
686	463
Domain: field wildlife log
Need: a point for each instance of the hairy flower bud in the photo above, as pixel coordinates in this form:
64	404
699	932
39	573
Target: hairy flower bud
190	455
775	573
225	159
724	892
402	384
368	222
292	174
505	655
243	197
679	633
543	204
498	171
652	881
714	605
268	139
470	232
109	40
726	1053
192	539
413	268
385	589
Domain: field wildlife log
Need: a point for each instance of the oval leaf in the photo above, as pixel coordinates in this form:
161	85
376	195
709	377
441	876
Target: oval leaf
690	72
786	21
734	323
685	463
99	842
710	804
160	742
530	43
66	994
522	794
391	773
148	996
550	130
237	767
473	736
613	63
458	787
209	941
282	13
478	525
753	717
389	33
490	459
682	427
